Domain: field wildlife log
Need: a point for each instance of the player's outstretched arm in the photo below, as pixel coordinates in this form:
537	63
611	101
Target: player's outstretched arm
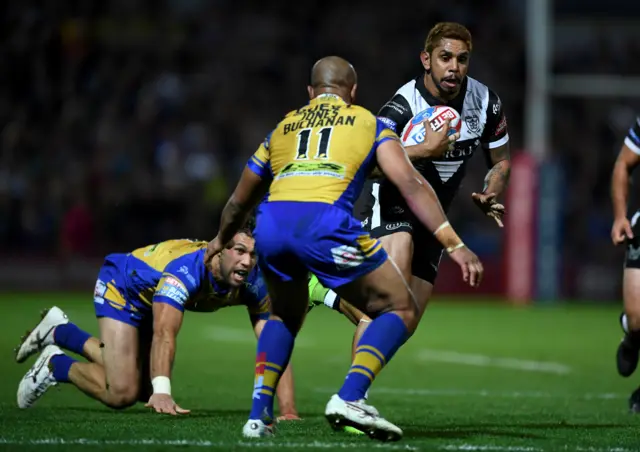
424	203
495	183
166	325
625	163
285	391
250	190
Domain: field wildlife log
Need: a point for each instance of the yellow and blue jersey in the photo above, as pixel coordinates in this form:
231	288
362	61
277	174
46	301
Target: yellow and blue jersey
171	272
318	158
321	152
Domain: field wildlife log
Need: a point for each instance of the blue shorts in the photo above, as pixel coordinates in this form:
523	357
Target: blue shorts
110	295
295	238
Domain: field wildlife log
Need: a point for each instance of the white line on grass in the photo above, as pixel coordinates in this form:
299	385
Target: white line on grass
494	448
470	359
259	444
422	392
298	445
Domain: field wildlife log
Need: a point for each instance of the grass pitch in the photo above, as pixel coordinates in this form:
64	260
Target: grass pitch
475	377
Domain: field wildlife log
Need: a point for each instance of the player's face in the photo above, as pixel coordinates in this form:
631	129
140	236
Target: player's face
236	262
448	64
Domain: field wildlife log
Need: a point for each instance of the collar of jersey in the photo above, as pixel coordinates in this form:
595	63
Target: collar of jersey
327	97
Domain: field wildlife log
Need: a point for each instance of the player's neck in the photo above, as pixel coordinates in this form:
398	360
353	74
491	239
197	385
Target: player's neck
215	270
332	92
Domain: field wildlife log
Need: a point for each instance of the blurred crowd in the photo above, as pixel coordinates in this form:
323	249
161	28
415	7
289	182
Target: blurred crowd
126	122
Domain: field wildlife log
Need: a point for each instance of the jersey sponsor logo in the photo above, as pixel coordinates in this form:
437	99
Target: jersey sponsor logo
502	125
633	252
347	256
174	290
388	122
100	289
393	226
495	108
396	106
185	271
462	149
312	169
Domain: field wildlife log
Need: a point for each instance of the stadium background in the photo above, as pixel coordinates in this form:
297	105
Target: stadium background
128	122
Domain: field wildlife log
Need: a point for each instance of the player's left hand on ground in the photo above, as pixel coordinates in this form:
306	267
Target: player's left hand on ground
488	204
214	247
164	403
289	417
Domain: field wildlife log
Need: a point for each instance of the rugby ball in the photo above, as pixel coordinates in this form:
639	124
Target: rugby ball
413	132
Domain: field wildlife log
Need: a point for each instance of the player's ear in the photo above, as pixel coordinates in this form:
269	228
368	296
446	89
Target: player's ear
425	59
310	91
353	93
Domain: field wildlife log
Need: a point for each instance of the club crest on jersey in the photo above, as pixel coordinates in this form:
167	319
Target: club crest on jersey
473	123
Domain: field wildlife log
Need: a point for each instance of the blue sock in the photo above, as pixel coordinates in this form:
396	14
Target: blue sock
378	344
274	350
70	337
61	365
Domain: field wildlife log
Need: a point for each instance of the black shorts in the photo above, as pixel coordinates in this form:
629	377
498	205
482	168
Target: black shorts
632	258
384	212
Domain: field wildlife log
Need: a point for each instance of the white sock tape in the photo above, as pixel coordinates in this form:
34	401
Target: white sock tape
330	299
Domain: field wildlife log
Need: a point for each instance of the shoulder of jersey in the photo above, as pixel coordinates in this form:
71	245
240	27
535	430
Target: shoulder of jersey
407	89
360	110
477	88
292	112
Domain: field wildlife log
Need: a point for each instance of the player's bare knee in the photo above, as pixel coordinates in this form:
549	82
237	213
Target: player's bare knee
410	315
122	395
403	306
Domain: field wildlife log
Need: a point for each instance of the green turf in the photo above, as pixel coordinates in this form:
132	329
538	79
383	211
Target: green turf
532	380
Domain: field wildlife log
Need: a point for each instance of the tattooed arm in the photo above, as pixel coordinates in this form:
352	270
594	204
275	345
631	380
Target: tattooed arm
495	183
495	141
497	178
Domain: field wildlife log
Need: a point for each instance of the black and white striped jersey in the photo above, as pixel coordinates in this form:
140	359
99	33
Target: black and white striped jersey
632	140
483	125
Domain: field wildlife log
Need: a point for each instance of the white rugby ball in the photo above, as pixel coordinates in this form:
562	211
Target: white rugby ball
413	132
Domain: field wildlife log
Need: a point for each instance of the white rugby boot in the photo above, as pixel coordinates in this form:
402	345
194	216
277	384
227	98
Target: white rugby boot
42	335
256	428
39	378
360	416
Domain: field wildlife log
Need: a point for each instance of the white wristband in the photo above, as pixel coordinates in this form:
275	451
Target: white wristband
161	385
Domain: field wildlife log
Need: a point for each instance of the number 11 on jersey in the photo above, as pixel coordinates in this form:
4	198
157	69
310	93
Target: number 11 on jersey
323	144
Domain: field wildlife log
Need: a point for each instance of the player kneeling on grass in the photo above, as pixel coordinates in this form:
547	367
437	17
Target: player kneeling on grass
140	298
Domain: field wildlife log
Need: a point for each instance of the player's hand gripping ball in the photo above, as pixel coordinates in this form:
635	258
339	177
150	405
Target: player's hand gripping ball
437	117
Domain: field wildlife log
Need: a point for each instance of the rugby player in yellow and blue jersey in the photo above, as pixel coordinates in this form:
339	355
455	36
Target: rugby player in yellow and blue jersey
140	299
313	166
